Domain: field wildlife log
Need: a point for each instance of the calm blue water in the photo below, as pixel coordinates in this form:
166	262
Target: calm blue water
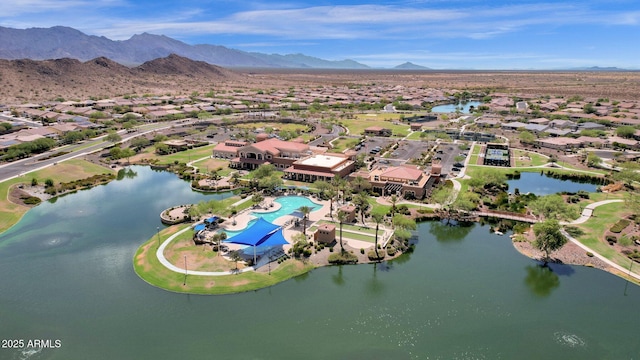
464	293
288	204
451	108
538	184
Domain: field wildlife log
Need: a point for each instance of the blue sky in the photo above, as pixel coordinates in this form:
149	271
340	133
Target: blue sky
441	34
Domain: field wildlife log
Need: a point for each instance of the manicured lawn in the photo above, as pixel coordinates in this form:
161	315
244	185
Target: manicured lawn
278	126
182	156
148	267
209	164
362	121
474	154
604	217
524	158
65	171
344	143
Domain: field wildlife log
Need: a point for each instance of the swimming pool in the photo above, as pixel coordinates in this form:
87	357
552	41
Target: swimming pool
288	204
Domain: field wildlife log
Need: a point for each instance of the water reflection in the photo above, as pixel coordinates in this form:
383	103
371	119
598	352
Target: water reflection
338	278
445	232
126	173
374	286
541	280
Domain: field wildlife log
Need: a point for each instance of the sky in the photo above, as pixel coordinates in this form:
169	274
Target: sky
439	34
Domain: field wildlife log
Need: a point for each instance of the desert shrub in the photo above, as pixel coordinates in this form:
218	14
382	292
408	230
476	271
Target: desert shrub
625	241
574	231
373	257
611	239
48	183
342	258
31	200
361	251
589	254
619	226
391	250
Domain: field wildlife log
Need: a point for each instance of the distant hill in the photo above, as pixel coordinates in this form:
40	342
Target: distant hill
598	68
410	66
64	42
72	79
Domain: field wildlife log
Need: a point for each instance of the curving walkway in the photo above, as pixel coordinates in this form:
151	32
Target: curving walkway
588	211
163	260
607	261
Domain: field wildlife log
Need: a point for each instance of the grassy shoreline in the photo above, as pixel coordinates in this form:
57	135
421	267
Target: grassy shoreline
71	170
147	266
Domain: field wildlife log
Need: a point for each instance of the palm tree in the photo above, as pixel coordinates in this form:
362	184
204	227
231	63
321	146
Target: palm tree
359	183
331	194
305	210
377	217
362	203
342	216
394	199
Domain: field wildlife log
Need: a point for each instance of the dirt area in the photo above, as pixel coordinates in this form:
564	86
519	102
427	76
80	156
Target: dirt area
570	254
17	194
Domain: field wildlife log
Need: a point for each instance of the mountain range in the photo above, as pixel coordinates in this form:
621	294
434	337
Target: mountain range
64	42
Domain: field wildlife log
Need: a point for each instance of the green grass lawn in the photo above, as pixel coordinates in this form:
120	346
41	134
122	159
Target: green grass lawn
343	143
535	159
474	154
65	171
182	156
362	121
148	267
604	217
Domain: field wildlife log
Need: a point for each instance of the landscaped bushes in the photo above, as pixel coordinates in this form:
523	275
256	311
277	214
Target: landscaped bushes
620	225
342	258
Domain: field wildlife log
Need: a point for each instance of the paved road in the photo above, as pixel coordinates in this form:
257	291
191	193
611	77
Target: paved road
25	166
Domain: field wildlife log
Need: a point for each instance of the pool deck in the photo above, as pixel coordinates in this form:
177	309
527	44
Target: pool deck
243	218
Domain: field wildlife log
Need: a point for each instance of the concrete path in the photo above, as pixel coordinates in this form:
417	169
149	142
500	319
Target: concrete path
607	261
588	211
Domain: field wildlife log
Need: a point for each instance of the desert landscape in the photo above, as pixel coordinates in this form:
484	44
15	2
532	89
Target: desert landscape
26	81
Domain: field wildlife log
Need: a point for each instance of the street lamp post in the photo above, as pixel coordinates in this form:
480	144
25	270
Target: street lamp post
185	271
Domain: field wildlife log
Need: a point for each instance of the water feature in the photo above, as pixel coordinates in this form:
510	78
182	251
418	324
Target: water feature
451	108
463	294
539	184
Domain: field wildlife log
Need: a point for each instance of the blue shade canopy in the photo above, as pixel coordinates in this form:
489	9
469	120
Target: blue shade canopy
199	227
256	234
275	239
212	219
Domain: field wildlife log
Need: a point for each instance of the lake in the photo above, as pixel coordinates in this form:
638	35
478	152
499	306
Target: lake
539	184
463	294
451	108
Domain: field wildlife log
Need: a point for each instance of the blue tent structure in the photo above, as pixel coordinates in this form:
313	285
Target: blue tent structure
261	234
199	227
212	219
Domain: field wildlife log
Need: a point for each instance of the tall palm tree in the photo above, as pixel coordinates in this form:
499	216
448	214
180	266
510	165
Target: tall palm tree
359	183
331	194
377	217
394	200
361	200
305	210
342	216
